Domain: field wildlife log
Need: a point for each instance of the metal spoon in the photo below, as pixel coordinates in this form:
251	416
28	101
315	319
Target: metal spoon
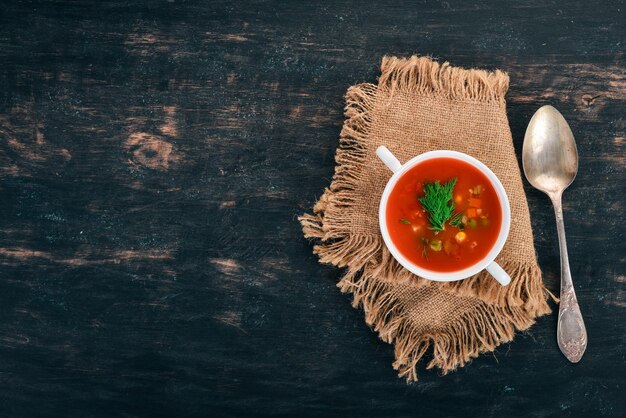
550	163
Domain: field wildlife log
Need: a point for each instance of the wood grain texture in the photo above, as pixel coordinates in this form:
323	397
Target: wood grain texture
154	157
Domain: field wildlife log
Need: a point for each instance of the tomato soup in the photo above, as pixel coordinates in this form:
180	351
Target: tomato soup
444	215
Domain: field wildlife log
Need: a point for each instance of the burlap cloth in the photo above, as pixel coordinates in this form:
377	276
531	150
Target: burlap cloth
421	105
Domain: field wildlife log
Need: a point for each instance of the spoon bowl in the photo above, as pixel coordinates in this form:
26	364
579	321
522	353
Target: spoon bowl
549	155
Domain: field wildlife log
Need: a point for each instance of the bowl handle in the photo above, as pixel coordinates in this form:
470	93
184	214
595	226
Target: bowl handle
388	158
498	273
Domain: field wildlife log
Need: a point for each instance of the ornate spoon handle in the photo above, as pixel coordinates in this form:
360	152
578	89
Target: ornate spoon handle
571	333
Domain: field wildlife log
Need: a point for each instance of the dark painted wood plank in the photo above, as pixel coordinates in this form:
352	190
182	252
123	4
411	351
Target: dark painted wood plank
154	156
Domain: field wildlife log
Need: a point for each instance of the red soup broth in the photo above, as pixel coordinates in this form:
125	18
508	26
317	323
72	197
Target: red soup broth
456	247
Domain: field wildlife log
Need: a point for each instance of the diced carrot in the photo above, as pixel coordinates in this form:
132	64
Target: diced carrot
456	251
471	213
451	248
448	246
458	199
473	202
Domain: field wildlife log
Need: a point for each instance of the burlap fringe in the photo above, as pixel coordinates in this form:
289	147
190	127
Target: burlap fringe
424	76
339	245
371	270
462	339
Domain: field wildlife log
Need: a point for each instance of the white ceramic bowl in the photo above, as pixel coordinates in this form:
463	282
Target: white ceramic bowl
488	262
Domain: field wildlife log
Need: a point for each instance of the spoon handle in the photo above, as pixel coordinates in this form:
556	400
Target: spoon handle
571	332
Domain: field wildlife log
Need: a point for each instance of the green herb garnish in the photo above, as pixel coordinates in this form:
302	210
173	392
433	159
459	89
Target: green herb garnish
456	220
404	221
425	249
438	203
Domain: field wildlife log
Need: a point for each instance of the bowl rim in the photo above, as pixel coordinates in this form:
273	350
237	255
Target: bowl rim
475	268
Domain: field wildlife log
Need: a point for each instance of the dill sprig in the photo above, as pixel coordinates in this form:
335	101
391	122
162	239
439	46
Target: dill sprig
425	248
457	220
438	202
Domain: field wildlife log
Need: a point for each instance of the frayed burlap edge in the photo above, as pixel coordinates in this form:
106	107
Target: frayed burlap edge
371	272
422	75
477	331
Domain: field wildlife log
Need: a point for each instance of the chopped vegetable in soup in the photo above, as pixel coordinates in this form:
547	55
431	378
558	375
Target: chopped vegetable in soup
444	215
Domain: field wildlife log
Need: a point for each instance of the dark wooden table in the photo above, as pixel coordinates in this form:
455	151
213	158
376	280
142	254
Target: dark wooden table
154	157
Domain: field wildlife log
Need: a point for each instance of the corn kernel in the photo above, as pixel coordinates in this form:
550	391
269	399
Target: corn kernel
460	237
